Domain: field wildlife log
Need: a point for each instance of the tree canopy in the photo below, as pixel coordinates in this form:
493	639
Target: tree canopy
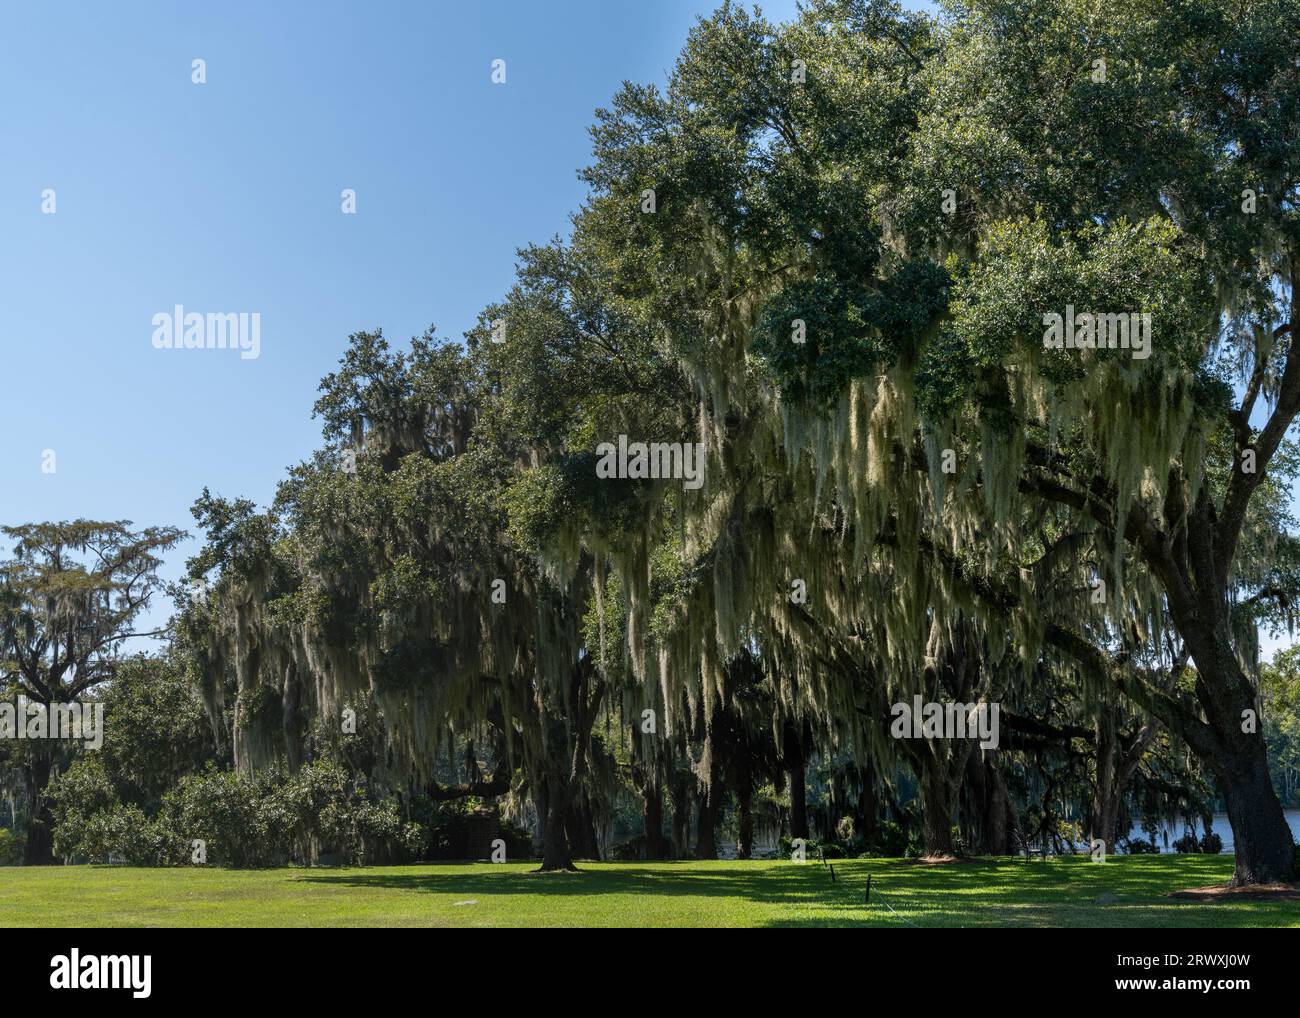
837	254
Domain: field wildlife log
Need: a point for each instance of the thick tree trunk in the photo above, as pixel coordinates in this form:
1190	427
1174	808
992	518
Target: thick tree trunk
581	830
1104	809
997	812
40	826
567	827
1265	851
706	841
681	815
556	854
936	808
652	816
868	811
745	808
1105	817
999	828
291	719
706	844
798	800
555	845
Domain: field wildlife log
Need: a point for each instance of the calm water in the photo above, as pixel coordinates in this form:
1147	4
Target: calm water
1221	827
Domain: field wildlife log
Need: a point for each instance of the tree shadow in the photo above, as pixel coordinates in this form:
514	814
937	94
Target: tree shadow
980	893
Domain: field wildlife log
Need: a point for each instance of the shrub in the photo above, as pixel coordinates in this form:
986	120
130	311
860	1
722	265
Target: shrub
1211	844
631	850
891	840
322	812
124	834
225	811
1188	843
77	797
445	829
11	848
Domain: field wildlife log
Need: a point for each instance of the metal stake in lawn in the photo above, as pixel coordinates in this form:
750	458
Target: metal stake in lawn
867	899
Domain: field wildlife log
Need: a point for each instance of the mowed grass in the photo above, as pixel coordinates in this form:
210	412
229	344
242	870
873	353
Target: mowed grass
1123	892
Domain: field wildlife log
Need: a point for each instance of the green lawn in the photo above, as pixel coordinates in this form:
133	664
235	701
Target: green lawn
1125	891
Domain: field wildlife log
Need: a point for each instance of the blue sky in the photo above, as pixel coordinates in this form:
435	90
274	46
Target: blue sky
225	197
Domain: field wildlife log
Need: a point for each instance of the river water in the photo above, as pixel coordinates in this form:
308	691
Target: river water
1220	826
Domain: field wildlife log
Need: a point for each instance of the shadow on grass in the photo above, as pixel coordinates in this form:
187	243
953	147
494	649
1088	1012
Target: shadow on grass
993	892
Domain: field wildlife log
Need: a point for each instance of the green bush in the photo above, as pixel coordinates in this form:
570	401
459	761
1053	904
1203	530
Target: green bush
892	839
323	812
231	814
77	797
319	812
1188	843
271	819
1211	844
11	848
444	827
631	850
124	834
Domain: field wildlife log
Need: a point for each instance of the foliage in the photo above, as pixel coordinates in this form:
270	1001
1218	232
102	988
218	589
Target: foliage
11	847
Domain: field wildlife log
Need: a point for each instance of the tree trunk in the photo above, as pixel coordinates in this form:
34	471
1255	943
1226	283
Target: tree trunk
1105	816
706	843
1265	851
291	719
745	807
798	800
1117	759
40	826
556	854
681	815
652	815
581	829
936	808
1105	794
997	833
986	805
868	811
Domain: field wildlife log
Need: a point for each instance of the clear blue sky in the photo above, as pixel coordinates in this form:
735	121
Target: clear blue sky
225	197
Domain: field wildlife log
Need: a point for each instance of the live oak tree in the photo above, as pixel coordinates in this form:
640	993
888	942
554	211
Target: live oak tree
70	596
888	230
387	569
830	252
